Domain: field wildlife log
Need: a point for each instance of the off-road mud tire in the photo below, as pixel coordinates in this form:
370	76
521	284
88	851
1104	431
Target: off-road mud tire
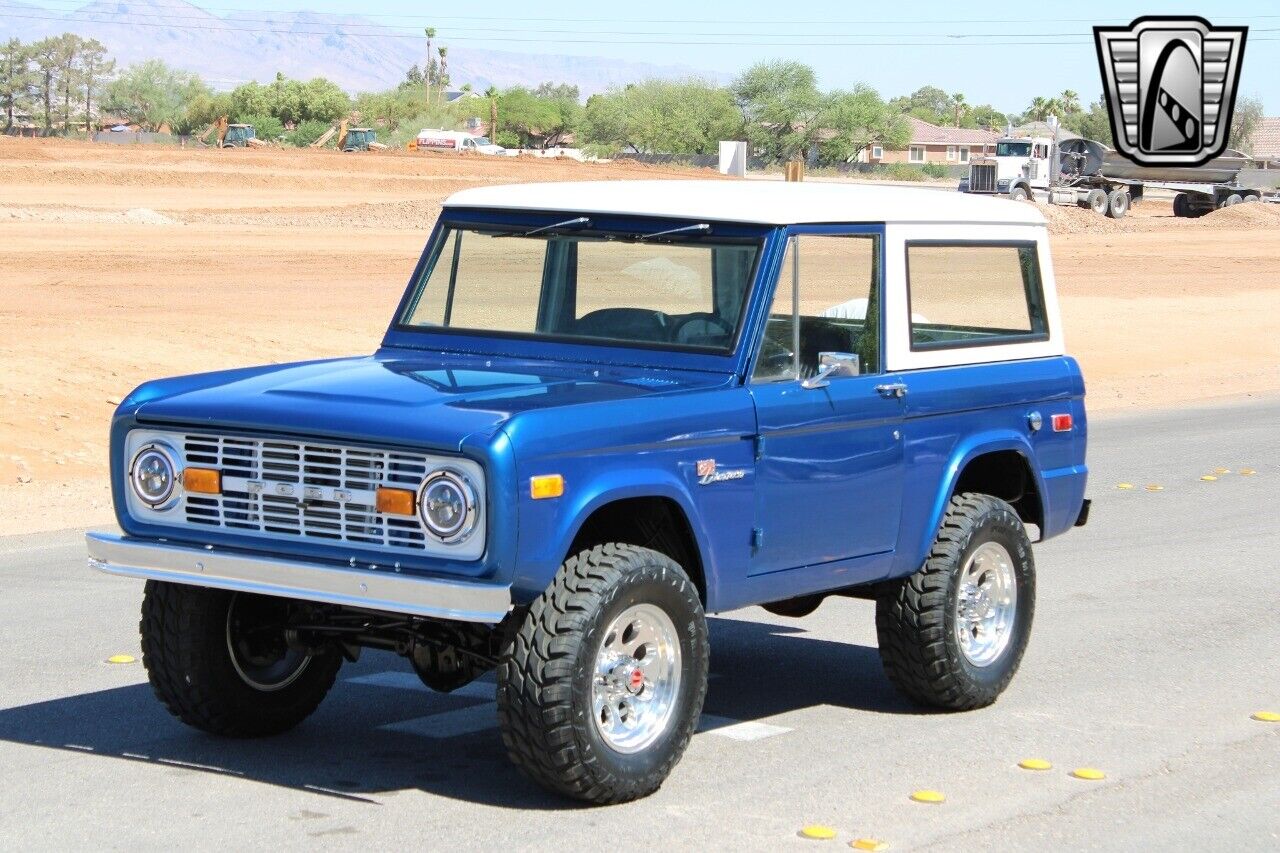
916	616
184	650
546	672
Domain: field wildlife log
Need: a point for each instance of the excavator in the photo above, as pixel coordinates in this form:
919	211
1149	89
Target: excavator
231	135
351	139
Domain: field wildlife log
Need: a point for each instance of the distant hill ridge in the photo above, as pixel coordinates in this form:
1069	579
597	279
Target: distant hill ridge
354	52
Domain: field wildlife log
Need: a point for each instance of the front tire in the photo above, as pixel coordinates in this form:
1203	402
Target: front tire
220	661
601	688
952	634
1019	193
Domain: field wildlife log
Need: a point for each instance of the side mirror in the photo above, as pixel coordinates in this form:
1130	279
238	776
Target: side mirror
833	364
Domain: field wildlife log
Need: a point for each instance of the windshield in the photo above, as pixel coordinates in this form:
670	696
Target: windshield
483	140
1013	149
686	293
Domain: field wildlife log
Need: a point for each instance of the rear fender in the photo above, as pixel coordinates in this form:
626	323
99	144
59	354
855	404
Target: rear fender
965	452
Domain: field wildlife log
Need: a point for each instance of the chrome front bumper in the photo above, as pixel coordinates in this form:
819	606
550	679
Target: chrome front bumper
465	601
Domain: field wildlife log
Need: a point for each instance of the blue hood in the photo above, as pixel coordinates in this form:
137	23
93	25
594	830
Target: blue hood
432	400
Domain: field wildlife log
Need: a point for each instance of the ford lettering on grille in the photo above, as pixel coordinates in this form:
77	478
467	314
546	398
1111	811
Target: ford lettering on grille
308	490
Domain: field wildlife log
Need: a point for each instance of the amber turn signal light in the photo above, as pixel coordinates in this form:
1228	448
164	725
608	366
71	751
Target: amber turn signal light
396	502
546	486
204	481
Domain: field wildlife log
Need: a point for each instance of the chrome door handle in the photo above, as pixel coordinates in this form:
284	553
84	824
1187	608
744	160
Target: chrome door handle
893	389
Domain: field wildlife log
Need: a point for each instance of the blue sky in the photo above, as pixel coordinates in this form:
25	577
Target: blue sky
998	60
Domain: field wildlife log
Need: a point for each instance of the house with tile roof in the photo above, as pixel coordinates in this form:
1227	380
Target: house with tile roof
930	143
1266	142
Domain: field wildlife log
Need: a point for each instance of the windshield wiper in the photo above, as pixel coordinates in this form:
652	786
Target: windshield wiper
580	222
701	227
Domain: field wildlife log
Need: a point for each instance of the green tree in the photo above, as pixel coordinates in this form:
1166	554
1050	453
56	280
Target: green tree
851	120
928	103
959	107
1244	124
207	107
987	117
534	120
265	127
1094	123
95	70
666	116
1069	101
492	94
780	103
44	54
153	94
69	77
17	79
249	99
1041	108
306	133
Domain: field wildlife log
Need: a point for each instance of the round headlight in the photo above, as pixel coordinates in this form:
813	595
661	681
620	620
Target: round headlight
447	506
154	475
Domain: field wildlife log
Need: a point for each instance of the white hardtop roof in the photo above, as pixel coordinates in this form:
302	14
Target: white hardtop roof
763	202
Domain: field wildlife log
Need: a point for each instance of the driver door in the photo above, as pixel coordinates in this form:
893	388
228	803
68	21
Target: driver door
829	478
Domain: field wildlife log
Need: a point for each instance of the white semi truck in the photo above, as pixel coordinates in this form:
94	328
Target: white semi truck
1088	173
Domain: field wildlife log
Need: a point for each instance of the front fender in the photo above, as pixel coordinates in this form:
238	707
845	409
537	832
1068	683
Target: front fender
548	527
918	544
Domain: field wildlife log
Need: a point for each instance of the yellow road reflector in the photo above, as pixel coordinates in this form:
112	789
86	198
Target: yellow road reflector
927	796
546	486
818	832
1124	485
1247	472
1208	478
873	844
1155	487
122	659
1267	717
1222	470
1035	764
1089	773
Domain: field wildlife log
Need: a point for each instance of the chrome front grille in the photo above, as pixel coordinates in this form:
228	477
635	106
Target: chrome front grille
304	490
982	178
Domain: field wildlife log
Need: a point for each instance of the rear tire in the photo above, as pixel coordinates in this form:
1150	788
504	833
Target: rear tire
928	623
1118	204
573	710
1096	201
1180	205
214	668
1232	200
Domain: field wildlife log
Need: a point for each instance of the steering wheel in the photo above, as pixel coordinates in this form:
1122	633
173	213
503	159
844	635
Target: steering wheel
702	325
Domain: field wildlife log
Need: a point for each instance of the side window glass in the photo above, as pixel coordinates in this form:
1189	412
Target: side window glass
974	294
827	299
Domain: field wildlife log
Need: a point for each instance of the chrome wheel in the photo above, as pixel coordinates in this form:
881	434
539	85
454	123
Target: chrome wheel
636	679
256	641
986	604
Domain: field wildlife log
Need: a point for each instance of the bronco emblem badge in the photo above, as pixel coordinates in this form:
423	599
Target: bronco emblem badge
1170	85
707	473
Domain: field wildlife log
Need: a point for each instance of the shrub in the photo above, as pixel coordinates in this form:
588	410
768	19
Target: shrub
306	133
507	139
904	172
935	170
266	128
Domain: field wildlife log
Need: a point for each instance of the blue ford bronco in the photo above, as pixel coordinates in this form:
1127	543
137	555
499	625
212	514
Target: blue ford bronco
601	411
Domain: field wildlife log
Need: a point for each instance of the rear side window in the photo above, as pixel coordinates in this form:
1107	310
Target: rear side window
974	294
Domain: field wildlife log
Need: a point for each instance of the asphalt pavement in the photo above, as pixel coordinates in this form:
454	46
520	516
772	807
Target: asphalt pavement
1156	638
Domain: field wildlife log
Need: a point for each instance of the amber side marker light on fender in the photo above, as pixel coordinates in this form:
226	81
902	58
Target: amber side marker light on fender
202	481
397	502
546	486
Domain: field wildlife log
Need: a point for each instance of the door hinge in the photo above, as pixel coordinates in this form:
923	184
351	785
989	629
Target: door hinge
757	538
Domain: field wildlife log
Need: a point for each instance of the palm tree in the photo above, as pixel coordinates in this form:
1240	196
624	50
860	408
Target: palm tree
431	33
1042	108
492	94
1069	101
444	70
961	108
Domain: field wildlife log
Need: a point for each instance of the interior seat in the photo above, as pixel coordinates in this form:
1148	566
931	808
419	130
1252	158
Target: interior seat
624	324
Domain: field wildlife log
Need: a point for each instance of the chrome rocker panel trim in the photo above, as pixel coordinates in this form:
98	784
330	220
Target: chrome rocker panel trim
121	555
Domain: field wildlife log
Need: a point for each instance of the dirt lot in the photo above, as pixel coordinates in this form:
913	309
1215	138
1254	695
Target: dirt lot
119	264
